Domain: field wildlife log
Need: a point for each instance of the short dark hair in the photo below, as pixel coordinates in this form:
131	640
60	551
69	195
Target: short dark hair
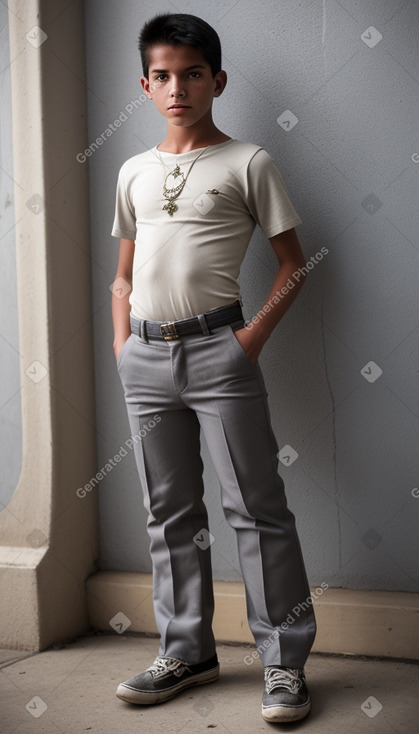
178	29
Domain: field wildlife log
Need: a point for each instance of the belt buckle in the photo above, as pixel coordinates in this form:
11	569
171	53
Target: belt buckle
168	331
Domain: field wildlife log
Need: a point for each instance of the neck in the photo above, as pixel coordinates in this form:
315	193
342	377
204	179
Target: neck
184	139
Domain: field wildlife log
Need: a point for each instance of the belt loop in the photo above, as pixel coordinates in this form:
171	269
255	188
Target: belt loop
143	331
203	324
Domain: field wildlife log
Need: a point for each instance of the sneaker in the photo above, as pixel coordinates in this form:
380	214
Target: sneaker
286	697
165	678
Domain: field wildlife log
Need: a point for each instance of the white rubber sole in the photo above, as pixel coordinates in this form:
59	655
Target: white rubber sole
131	695
284	714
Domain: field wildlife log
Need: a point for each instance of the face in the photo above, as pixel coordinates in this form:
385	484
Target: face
181	84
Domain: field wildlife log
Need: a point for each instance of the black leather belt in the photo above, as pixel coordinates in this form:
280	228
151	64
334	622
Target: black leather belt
202	324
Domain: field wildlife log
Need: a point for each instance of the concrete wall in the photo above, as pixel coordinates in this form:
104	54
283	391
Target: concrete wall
341	369
10	407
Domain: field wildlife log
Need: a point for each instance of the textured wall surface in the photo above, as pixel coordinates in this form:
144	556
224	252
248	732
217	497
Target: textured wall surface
10	417
330	89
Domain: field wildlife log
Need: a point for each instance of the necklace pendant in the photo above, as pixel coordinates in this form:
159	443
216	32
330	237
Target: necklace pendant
173	192
170	208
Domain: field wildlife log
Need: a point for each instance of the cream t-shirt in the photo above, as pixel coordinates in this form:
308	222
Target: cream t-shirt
189	263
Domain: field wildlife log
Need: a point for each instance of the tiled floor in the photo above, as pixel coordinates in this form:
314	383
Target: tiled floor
72	690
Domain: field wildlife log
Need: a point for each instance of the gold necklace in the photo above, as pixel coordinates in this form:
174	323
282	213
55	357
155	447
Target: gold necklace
174	192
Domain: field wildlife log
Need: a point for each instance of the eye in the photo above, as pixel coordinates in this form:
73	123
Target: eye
195	74
161	77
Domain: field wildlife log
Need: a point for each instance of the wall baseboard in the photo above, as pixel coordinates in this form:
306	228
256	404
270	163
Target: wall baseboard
375	623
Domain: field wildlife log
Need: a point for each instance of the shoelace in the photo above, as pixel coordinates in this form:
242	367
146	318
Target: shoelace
163	665
289	678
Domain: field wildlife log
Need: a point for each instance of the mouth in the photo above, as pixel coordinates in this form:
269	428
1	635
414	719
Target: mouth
179	107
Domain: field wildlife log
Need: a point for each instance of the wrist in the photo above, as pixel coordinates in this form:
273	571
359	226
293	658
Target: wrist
120	339
260	328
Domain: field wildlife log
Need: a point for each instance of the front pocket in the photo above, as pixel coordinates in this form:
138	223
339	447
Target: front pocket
122	352
239	346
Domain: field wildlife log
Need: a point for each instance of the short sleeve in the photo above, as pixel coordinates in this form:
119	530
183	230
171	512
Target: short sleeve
124	224
267	197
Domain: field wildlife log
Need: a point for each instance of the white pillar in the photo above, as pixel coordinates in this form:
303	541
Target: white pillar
48	533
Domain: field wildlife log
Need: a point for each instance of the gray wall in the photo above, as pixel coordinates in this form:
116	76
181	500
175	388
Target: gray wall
351	167
10	415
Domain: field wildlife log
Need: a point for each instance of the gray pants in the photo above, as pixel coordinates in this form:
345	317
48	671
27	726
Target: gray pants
207	382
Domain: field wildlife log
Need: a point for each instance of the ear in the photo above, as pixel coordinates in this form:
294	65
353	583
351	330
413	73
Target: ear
148	88
220	81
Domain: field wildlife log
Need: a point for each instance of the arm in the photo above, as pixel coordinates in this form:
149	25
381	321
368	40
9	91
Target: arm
290	258
120	305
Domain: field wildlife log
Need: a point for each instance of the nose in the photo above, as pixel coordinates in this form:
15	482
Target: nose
177	89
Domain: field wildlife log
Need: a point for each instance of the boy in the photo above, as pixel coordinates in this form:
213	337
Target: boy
185	212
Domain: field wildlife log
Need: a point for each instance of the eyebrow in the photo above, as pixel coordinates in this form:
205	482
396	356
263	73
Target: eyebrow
188	68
